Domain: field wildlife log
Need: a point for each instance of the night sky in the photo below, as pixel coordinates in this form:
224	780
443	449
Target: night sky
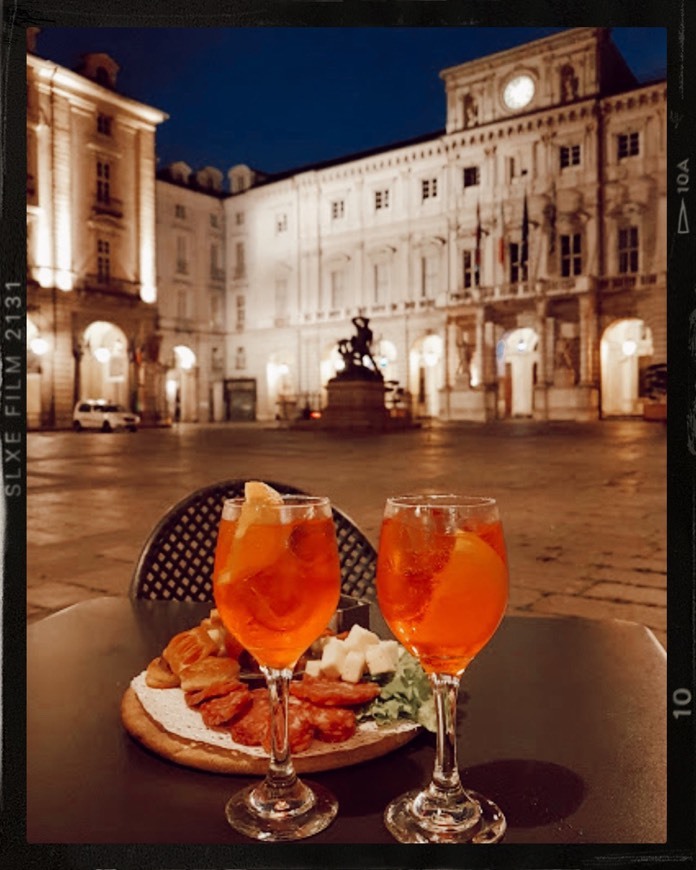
277	98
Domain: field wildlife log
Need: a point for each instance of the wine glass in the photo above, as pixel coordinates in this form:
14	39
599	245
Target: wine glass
277	582
442	587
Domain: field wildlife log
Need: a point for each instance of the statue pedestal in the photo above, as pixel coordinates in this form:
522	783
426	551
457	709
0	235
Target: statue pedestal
359	406
355	405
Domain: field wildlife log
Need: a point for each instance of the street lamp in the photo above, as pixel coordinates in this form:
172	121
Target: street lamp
38	345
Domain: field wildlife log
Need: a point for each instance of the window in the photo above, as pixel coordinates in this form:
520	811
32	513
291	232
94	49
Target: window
381	281
103	260
428	188
571	255
215	270
180	211
241	313
217	310
239	260
338	208
381	199
181	259
281	297
104	124
103	182
470	271
569	155
429	275
240	359
628	250
217	363
239	218
628	145
515	168
281	223
182	304
214	222
337	288
472	176
518	269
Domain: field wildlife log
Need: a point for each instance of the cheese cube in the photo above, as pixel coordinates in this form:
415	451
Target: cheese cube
383	658
332	658
360	638
313	668
353	666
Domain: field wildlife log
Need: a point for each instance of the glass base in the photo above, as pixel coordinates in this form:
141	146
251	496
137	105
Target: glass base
406	826
282	820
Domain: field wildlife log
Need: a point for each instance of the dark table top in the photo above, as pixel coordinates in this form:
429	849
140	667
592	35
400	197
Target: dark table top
562	722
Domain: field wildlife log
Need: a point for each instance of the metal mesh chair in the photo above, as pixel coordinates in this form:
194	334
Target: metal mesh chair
177	559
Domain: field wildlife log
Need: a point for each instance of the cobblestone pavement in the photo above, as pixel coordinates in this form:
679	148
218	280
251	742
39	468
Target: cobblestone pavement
584	505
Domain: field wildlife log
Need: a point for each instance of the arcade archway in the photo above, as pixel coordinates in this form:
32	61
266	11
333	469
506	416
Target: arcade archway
623	344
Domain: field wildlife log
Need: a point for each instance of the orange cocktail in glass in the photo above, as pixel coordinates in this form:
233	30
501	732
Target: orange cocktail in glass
442	586
275	586
277	582
442	590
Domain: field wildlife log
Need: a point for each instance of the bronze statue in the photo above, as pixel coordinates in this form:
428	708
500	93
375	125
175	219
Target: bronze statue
354	351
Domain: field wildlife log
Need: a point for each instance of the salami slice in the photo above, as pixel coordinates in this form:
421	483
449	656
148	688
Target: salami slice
334	693
217	711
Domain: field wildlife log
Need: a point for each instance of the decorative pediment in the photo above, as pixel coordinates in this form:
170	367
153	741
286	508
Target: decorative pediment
433	243
381	252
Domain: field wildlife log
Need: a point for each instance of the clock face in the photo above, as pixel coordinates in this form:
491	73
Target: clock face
518	92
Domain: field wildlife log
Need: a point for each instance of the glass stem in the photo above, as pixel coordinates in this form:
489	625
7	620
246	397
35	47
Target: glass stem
445	781
281	773
444	806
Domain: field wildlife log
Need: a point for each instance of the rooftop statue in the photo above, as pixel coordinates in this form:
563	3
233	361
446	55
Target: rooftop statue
356	351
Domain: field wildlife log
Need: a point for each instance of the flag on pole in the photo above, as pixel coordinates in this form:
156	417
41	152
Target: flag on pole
479	233
501	240
524	254
551	216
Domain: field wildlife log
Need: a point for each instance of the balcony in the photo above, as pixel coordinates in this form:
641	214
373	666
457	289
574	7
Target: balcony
617	283
110	286
110	207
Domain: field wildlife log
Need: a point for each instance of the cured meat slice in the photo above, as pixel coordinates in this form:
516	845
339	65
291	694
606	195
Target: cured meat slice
249	728
334	693
253	728
214	690
300	728
332	724
217	711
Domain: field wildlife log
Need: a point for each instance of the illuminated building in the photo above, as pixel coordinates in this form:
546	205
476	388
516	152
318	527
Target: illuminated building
91	270
512	264
191	269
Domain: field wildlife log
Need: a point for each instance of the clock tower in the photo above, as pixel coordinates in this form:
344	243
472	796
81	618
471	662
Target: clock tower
567	67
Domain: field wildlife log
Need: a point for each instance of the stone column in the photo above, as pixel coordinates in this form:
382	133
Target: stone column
542	347
588	340
481	356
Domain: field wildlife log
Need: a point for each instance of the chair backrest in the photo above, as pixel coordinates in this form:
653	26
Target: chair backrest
177	559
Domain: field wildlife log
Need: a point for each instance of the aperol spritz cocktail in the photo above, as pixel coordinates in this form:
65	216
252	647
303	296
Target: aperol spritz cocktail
442	586
276	582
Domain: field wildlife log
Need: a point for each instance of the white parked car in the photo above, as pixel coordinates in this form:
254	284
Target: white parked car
100	414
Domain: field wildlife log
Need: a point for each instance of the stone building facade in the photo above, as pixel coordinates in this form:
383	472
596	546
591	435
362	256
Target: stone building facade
191	280
91	270
512	265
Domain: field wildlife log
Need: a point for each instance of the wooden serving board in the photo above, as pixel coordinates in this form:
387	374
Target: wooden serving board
363	746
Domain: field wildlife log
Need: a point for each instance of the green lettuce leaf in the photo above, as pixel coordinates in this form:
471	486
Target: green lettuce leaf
407	695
